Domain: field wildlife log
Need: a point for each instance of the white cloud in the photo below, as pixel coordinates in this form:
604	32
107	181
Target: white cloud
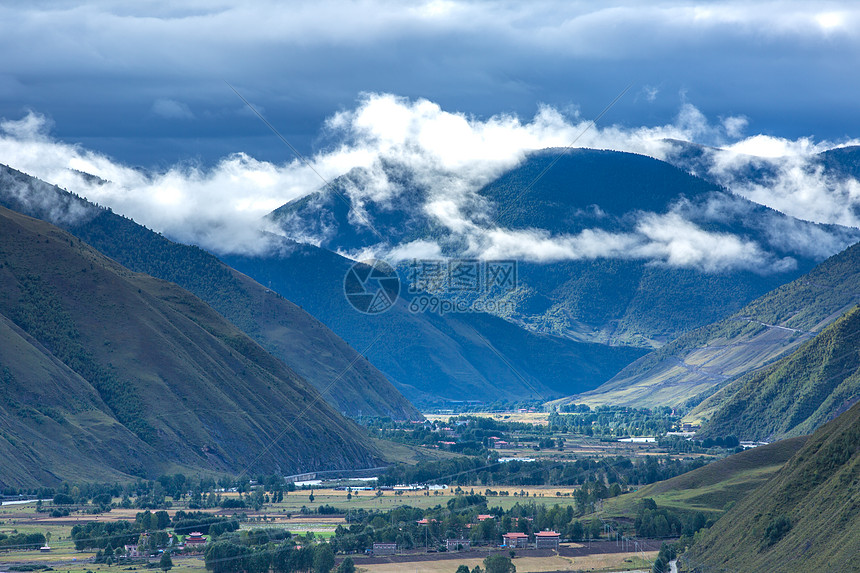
439	160
666	239
787	175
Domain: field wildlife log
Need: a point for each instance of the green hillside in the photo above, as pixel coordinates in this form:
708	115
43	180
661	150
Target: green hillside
133	374
805	518
795	395
49	411
348	381
766	329
715	487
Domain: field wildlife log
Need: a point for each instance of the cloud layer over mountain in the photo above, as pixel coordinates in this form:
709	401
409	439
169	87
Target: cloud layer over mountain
449	156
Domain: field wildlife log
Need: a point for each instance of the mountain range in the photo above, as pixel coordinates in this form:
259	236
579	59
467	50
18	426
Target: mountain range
586	199
346	379
794	395
770	327
135	376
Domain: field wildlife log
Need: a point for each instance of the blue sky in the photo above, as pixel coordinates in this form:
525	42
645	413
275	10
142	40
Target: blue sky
144	82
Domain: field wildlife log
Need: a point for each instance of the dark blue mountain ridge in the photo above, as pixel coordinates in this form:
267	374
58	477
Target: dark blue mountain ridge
625	301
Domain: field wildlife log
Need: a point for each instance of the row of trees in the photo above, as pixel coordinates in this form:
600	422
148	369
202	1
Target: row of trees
459	519
230	557
102	534
488	472
22	541
613	421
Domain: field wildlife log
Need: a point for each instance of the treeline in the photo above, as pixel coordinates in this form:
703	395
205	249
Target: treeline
251	556
613	421
21	541
680	444
481	472
104	534
201	493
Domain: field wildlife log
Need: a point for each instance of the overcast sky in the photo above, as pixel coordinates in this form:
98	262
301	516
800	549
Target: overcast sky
144	82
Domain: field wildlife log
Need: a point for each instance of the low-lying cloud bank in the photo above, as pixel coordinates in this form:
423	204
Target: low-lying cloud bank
449	156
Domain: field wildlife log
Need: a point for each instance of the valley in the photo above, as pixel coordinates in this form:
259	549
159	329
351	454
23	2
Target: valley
629	365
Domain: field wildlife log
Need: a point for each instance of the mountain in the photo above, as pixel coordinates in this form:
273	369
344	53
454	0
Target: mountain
796	394
346	379
436	357
805	518
714	488
40	428
619	299
772	326
109	371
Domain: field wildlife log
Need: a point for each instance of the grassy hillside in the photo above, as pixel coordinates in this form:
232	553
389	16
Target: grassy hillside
805	518
48	411
347	380
715	487
136	375
795	395
766	329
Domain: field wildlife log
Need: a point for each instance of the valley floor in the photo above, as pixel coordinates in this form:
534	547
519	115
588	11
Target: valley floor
595	556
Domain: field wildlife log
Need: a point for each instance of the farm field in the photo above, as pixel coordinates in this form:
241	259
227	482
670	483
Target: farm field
609	562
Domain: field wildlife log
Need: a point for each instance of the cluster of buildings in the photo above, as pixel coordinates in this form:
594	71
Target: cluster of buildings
512	540
191	541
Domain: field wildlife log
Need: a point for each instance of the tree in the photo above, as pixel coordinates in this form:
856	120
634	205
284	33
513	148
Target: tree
348	566
311	496
462	569
323	558
776	530
165	563
109	554
499	564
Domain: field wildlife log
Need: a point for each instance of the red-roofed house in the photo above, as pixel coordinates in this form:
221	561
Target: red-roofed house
484	517
547	540
516	539
195	538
